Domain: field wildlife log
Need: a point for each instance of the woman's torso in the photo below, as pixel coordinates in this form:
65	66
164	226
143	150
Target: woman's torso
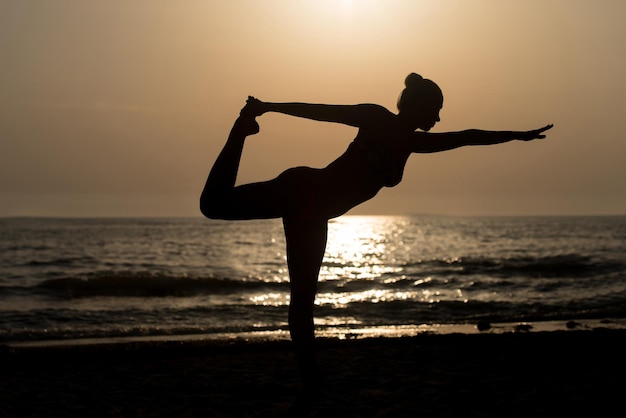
375	159
381	147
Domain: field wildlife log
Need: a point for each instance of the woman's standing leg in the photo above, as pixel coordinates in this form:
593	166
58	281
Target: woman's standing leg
306	243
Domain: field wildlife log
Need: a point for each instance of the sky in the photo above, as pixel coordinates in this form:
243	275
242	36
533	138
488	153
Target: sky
119	108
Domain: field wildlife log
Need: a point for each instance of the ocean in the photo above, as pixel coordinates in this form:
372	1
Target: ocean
82	279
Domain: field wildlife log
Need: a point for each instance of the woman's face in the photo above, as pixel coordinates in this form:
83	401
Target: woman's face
429	117
423	116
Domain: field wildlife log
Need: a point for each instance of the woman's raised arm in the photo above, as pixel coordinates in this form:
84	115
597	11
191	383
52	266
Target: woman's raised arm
426	142
353	115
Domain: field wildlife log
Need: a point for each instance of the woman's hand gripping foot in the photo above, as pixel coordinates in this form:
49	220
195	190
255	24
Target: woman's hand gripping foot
246	122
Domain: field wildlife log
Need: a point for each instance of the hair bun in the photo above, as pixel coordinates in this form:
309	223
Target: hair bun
413	80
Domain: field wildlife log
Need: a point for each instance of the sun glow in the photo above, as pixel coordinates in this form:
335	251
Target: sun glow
347	8
342	20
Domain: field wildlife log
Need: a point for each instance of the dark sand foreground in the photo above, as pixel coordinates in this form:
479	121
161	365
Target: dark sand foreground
568	373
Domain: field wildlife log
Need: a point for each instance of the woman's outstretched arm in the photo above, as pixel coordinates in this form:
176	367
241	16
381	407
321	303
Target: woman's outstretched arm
352	115
426	142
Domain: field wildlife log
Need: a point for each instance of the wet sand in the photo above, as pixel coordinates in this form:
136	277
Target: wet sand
525	374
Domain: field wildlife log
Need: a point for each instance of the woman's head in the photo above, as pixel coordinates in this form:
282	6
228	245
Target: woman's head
421	100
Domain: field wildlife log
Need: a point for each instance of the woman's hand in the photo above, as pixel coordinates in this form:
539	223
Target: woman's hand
254	107
534	134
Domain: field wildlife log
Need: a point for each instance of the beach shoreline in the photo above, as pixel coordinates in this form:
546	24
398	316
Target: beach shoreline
342	333
535	373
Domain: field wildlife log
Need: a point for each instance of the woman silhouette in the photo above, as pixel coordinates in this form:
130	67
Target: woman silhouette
306	198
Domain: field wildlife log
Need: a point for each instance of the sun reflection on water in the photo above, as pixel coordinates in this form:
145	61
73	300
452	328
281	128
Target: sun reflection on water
270	299
372	296
357	247
374	259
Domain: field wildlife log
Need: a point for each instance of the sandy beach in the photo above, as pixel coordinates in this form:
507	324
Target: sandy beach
562	373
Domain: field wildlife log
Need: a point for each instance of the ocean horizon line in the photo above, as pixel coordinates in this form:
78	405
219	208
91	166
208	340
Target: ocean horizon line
437	215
